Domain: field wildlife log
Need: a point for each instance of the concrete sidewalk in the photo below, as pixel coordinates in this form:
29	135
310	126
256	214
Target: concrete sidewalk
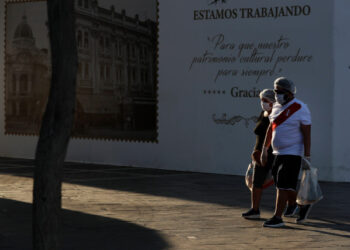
110	207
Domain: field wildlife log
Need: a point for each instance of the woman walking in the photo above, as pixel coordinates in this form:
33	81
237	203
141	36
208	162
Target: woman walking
267	98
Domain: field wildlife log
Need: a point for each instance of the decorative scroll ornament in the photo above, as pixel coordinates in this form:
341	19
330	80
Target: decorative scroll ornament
234	120
216	2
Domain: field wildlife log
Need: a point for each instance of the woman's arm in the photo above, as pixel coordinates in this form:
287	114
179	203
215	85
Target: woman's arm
256	156
267	143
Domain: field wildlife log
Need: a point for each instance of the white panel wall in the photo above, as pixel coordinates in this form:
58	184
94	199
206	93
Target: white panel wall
340	169
223	148
188	137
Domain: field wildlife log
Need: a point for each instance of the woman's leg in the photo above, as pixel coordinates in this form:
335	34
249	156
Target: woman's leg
256	198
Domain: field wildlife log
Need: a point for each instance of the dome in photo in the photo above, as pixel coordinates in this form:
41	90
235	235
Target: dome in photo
23	30
23	37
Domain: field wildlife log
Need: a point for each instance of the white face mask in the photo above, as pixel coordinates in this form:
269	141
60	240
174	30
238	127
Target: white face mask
280	98
266	106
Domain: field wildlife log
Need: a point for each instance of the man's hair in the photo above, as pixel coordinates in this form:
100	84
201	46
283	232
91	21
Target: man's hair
285	84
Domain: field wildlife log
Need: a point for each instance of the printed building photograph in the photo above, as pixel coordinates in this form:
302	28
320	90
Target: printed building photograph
117	71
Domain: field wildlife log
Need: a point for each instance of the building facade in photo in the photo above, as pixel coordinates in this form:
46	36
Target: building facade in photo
27	82
116	79
117	73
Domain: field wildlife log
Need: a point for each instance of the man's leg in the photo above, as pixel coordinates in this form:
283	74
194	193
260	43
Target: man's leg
303	214
286	171
292	208
288	176
292	198
281	201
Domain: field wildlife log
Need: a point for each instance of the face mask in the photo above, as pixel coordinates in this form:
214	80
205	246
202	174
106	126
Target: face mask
280	98
266	106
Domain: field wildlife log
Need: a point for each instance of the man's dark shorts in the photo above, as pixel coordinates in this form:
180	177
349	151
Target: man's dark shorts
285	171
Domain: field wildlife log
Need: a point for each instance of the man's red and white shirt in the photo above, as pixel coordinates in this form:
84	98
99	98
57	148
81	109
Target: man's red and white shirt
287	138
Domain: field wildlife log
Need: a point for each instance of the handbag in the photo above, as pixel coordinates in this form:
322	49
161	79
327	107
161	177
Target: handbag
309	191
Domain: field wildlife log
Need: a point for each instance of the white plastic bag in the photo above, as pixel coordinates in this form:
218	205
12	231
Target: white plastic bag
309	190
249	176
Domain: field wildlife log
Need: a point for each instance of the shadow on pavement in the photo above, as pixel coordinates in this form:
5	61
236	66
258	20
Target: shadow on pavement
81	231
225	190
318	226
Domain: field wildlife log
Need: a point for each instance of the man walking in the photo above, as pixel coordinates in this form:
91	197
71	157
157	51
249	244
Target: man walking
289	133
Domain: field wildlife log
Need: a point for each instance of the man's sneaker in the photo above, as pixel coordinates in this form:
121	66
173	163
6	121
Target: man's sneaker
274	222
291	210
251	214
303	213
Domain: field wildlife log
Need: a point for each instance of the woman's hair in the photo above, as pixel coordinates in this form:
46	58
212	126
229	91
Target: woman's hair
268	94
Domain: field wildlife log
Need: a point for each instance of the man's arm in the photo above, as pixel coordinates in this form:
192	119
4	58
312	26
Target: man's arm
266	146
306	131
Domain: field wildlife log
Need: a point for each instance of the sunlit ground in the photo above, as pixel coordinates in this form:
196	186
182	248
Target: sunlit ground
189	210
